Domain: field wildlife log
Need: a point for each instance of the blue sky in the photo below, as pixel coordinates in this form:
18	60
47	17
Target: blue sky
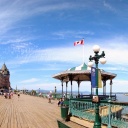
37	36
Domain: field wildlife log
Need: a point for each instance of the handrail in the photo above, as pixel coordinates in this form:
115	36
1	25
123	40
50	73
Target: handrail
84	108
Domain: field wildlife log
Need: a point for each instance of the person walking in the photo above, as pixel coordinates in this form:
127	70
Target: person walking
18	95
50	97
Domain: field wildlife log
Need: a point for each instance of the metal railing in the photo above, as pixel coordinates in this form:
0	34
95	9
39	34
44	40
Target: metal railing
84	108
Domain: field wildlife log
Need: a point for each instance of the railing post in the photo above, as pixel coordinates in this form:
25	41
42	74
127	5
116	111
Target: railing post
109	112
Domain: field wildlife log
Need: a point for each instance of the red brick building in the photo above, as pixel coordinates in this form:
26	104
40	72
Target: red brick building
4	78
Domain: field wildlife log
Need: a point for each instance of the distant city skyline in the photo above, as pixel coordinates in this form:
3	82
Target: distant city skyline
37	40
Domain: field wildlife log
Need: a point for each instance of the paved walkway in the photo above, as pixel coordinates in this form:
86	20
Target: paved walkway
30	112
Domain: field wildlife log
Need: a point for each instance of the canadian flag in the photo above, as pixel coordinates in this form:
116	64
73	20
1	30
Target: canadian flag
79	42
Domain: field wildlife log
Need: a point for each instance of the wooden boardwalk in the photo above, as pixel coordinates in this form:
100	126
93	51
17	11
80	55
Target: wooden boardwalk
30	112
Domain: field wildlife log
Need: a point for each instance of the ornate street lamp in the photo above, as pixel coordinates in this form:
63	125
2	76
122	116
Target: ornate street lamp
97	58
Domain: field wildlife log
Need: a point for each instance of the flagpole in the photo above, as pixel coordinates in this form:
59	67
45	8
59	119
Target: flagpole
83	53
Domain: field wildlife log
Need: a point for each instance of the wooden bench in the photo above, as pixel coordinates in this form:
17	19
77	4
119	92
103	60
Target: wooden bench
62	125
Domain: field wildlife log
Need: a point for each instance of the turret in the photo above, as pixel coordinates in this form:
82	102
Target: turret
5	76
4	70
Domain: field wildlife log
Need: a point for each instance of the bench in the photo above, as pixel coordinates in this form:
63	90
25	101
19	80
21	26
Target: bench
62	125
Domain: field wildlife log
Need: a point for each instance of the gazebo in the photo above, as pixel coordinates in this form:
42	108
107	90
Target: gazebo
83	73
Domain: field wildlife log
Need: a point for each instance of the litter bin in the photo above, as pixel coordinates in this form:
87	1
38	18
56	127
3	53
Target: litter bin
64	111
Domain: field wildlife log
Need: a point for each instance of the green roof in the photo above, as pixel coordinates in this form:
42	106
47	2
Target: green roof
81	67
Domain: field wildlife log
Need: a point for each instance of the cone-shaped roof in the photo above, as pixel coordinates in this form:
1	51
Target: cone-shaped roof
4	70
81	67
4	67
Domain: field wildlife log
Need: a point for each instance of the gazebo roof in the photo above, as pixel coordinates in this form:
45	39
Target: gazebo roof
81	73
81	67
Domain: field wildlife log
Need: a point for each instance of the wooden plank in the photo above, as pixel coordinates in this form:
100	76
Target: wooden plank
30	112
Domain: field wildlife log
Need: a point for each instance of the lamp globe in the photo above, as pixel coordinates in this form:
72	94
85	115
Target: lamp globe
90	64
96	48
103	60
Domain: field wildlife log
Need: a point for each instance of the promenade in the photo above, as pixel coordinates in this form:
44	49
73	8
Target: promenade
30	112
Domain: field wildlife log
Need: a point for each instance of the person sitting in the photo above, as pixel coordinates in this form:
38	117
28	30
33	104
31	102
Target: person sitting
78	95
60	102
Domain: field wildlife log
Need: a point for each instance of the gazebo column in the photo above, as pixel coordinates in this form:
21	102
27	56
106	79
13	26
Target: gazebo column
62	87
70	79
71	88
104	87
66	88
111	87
78	87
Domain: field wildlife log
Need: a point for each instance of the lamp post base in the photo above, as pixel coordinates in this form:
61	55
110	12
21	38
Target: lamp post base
97	125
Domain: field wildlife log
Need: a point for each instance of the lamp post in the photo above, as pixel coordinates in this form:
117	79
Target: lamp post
39	90
109	113
97	58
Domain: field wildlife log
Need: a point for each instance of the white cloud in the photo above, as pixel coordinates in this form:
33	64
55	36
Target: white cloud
74	34
16	10
118	86
30	80
108	6
42	86
115	53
